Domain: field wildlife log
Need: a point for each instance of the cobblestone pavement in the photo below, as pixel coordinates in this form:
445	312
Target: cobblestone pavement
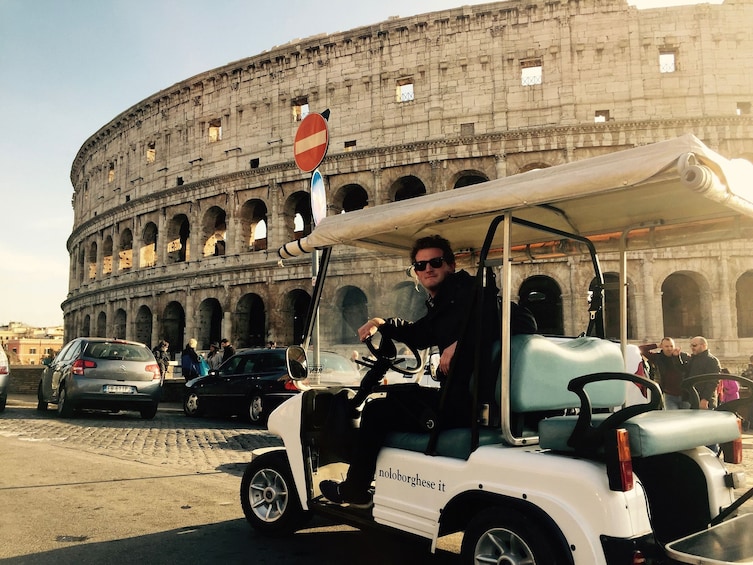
171	438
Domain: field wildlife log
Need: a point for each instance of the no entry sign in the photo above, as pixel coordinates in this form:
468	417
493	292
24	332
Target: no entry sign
311	142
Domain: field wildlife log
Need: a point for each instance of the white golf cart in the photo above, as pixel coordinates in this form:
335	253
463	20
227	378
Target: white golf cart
562	469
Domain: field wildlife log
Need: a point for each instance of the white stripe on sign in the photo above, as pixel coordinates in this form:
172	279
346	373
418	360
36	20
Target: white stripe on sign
310	142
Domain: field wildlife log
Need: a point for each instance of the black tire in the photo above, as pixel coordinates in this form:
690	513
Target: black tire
150	412
3	401
268	495
41	402
65	408
192	404
255	409
513	537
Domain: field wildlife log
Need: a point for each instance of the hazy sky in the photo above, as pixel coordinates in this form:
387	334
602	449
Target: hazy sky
67	67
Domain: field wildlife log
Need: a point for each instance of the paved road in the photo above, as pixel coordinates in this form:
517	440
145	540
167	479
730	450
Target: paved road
112	488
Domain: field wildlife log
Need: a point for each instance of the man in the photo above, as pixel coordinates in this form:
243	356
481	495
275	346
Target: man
451	297
669	368
702	363
162	357
227	350
214	357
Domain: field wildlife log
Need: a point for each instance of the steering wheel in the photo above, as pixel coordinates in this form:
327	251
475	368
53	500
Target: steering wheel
386	355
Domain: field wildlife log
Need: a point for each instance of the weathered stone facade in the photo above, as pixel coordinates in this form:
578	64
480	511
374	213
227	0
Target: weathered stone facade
181	201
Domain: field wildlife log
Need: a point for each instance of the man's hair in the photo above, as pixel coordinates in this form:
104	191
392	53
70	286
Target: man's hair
433	242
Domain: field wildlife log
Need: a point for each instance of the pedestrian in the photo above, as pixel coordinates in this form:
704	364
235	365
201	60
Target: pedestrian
702	362
667	369
214	357
227	349
190	364
162	357
729	389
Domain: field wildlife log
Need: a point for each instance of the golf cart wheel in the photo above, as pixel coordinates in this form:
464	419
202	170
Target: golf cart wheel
501	535
269	497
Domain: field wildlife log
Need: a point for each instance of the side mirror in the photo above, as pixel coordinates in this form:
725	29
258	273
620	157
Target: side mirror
295	357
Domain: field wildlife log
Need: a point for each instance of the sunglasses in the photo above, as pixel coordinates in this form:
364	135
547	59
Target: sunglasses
435	264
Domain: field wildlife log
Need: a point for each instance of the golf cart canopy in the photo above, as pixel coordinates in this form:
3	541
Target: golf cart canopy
665	194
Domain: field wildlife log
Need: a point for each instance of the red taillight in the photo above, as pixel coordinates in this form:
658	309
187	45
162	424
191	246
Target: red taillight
733	450
154	370
638	558
619	461
3	369
79	365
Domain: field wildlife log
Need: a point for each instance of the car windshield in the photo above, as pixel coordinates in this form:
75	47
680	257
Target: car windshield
348	301
116	351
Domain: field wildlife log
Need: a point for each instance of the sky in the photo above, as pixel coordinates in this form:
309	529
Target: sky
67	67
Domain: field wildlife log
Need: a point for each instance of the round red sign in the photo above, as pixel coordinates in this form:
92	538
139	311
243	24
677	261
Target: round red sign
311	142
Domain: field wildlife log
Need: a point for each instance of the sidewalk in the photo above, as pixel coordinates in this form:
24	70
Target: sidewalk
20	400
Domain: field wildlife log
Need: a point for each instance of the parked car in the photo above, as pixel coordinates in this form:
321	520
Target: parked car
253	382
4	378
93	372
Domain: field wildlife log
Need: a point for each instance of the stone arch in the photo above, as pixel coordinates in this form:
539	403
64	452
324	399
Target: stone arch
214	231
253	218
174	326
353	311
81	264
107	247
611	307
543	297
681	305
468	178
533	167
101	325
298	216
148	249
350	197
407	187
92	261
178	244
125	250
250	321
744	304
210	322
119	322
294	311
86	326
143	326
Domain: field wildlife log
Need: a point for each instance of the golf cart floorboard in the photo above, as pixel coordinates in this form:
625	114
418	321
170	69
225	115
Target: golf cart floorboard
728	542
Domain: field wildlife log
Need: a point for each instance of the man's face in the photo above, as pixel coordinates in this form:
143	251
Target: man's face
431	277
667	346
697	346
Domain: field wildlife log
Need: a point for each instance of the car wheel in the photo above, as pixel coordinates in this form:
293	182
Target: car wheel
150	412
41	402
192	405
269	497
501	535
256	409
65	408
3	400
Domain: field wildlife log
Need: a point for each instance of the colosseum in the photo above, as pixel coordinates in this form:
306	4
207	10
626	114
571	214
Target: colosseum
181	201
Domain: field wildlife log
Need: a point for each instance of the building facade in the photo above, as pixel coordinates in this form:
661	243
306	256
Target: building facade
181	201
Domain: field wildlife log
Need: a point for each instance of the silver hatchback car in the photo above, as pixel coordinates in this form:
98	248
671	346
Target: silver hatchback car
111	374
4	378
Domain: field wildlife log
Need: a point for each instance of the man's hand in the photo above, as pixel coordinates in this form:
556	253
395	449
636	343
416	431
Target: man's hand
369	328
446	358
704	405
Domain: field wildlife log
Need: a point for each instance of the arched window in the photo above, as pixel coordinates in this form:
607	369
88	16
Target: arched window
407	187
148	251
119	324
143	326
681	306
744	303
250	322
210	322
543	297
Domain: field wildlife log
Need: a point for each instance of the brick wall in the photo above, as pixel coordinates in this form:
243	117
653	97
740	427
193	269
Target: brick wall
24	378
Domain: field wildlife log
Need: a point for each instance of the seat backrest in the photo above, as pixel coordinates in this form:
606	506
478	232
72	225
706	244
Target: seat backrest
541	368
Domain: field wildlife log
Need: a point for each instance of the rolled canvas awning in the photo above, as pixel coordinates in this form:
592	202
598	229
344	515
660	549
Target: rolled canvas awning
681	190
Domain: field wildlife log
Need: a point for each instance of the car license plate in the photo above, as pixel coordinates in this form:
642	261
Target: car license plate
119	389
